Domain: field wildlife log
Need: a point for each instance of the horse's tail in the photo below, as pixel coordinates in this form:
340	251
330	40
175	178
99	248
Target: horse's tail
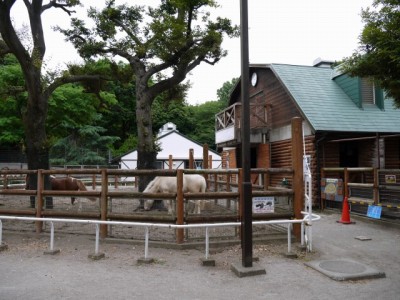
203	187
82	187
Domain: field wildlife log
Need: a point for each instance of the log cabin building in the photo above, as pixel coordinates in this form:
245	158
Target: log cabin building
347	123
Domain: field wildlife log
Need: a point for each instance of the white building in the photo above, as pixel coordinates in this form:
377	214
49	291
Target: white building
176	144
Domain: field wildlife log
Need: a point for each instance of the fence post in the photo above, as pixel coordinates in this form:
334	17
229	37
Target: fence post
191	159
205	163
103	203
346	181
93	181
179	206
297	162
39	197
170	162
376	187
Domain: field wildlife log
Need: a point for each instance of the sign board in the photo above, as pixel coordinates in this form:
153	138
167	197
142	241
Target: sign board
262	205
332	189
374	211
390	178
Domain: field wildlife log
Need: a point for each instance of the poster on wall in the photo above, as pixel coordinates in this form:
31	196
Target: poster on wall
332	189
262	205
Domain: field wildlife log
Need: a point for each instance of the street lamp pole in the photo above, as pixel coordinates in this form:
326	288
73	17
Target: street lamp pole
246	196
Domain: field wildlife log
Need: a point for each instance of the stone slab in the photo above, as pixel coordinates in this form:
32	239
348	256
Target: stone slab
345	269
96	256
363	238
144	260
52	252
290	255
241	271
207	262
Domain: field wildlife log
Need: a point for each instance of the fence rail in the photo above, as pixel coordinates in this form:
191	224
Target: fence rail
223	189
368	185
306	221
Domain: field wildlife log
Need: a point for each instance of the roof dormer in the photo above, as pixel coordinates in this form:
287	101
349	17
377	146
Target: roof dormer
362	91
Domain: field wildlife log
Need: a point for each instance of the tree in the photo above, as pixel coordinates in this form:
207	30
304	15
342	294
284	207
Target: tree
13	100
378	55
38	87
224	92
162	45
86	145
203	116
70	107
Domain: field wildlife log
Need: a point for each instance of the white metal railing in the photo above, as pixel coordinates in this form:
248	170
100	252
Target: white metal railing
303	222
306	230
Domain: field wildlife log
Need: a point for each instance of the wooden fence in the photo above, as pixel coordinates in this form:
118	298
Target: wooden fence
370	186
221	189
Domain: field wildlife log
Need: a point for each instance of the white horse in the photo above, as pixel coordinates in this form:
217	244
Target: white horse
192	183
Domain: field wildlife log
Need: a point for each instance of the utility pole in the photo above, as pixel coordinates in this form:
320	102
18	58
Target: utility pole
247	218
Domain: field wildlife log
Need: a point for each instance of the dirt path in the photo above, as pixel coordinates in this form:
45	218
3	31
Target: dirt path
26	273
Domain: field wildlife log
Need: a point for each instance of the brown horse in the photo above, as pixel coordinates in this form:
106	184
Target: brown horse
68	184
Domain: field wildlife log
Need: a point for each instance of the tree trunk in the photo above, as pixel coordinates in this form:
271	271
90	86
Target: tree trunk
147	153
37	146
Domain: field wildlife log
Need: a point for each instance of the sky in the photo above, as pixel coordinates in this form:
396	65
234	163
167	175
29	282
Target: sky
280	31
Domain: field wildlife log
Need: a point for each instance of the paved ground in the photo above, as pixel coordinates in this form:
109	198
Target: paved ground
26	273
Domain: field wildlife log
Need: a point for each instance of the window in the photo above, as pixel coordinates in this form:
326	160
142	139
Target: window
367	91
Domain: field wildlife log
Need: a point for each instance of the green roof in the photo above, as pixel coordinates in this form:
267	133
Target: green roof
328	108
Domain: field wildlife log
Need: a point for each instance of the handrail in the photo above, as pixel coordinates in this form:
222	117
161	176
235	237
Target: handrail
305	221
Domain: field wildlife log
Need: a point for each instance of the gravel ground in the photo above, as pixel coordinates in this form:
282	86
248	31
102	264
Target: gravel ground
27	273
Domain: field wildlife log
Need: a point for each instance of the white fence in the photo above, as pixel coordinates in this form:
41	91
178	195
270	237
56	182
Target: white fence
306	221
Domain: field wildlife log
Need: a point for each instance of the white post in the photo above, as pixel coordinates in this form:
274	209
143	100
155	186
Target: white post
207	243
51	236
1	233
146	243
289	238
96	249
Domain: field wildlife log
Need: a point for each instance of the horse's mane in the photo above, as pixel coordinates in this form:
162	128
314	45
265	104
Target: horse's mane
150	186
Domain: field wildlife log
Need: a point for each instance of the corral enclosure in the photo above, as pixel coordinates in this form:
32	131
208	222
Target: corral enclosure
116	202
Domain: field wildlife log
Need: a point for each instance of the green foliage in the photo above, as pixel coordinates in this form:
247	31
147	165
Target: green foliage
162	45
203	126
379	53
12	101
69	108
225	91
128	145
170	107
85	146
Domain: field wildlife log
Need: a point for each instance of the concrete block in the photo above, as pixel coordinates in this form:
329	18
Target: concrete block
52	252
96	256
207	262
241	271
144	260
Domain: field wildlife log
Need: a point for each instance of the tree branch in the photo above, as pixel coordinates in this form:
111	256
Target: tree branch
54	3
127	31
4	49
9	35
71	79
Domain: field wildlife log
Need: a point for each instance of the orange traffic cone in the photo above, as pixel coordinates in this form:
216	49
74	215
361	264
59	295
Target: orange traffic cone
345	213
